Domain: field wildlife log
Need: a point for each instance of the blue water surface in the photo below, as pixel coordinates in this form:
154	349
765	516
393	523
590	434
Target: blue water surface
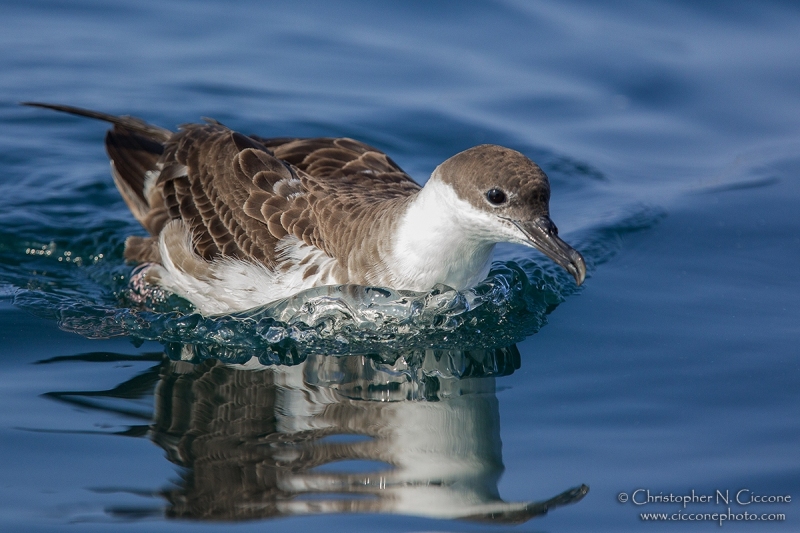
671	135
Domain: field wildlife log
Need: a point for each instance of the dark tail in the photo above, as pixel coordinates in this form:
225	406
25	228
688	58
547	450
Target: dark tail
133	124
135	148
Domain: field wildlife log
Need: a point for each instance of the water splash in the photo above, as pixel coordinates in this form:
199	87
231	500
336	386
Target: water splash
336	320
93	299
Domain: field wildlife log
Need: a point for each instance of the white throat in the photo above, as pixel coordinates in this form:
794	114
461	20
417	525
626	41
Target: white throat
441	239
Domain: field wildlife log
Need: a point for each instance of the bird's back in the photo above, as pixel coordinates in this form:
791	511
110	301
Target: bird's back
258	199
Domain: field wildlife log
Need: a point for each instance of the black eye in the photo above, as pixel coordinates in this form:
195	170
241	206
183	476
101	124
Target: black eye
496	196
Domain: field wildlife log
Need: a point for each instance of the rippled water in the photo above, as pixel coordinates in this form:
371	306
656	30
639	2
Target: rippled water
670	133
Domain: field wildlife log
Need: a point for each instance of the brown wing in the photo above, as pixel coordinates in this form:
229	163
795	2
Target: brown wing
348	185
241	195
332	158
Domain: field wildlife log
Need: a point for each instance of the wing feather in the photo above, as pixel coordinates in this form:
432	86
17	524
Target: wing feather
241	195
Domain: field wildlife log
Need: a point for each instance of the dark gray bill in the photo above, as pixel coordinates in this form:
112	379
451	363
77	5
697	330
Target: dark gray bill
542	234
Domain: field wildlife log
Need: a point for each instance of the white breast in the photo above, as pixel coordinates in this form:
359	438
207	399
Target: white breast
441	239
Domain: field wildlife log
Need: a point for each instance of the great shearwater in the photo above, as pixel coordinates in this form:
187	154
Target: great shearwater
237	221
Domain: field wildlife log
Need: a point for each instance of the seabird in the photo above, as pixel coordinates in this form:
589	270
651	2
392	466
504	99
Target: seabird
237	221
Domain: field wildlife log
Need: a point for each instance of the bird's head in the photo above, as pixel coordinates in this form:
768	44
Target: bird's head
509	196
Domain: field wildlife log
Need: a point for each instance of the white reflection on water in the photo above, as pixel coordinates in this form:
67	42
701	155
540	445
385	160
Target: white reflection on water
347	434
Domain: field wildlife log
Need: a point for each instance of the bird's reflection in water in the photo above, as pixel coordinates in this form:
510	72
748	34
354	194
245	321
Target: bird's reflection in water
345	434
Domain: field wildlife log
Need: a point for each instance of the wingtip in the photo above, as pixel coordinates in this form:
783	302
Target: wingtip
156	132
